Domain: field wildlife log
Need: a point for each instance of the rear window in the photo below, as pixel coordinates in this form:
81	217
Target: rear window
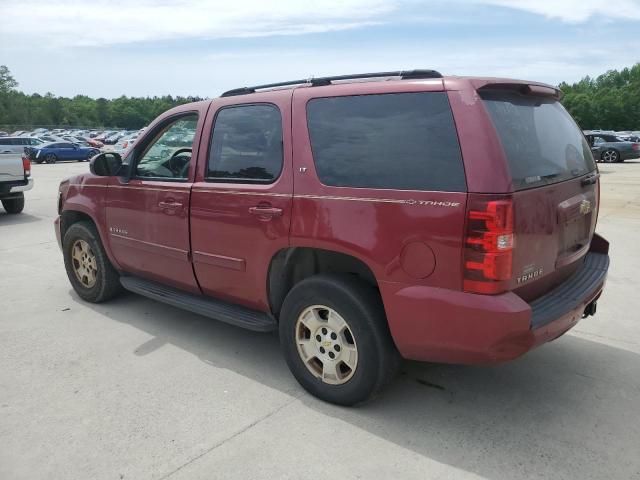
404	141
542	143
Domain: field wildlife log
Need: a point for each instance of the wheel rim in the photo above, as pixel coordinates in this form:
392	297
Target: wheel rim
50	158
84	263
326	345
610	156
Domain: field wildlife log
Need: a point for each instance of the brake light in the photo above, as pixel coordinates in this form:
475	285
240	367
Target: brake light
26	165
635	146
489	243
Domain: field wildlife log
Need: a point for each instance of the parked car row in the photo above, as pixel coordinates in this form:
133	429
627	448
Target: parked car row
43	145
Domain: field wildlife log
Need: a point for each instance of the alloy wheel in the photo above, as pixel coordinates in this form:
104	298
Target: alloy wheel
326	344
84	263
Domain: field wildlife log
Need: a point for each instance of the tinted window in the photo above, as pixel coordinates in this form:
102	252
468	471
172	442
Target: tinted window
542	142
404	141
161	157
4	141
246	144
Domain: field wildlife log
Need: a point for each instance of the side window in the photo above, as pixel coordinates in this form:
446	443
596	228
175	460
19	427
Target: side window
598	140
405	141
246	144
4	141
168	155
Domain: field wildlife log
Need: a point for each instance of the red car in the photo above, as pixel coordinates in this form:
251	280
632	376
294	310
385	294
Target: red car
442	219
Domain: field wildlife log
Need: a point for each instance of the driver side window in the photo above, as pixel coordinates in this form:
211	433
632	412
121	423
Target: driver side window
168	155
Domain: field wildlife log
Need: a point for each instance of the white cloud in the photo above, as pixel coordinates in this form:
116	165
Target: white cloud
69	23
102	22
574	11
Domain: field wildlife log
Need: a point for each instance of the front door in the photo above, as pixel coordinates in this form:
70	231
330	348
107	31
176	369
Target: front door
241	203
148	216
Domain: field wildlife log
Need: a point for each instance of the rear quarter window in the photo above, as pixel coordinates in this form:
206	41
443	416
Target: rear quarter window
404	141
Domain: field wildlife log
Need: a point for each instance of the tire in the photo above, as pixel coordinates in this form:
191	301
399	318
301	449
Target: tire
610	156
106	281
50	158
360	307
14	205
90	155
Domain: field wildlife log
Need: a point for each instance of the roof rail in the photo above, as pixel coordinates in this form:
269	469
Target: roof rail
315	82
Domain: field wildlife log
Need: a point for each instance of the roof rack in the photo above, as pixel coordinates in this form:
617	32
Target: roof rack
315	82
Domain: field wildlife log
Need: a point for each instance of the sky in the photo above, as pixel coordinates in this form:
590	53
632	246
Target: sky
109	48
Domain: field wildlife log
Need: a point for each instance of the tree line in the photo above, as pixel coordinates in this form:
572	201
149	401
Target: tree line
21	111
610	102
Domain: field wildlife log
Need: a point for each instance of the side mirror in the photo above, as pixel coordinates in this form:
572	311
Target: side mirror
105	164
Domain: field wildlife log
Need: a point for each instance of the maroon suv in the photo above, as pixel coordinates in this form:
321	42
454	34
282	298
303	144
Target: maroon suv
366	217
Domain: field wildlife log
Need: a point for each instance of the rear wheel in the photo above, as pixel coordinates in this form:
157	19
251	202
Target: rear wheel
610	156
50	158
89	270
336	340
14	205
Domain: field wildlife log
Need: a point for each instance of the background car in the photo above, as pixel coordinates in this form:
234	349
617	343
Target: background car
52	152
611	149
17	144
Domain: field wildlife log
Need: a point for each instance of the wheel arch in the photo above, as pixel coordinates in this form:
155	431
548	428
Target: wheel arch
289	266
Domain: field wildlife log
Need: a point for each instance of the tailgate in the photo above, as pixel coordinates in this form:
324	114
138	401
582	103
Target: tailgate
555	184
11	169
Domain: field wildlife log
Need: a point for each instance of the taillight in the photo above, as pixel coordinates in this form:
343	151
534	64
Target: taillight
26	165
488	244
636	146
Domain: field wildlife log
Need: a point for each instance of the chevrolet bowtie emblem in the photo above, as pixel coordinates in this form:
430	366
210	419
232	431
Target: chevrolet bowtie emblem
585	207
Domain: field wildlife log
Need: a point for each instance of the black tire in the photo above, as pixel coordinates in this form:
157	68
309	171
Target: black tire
610	156
361	307
90	155
107	283
14	205
50	158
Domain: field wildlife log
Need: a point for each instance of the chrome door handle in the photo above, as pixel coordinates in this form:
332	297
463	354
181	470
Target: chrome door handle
265	211
169	205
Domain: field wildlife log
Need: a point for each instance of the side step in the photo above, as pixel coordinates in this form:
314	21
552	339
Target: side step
209	307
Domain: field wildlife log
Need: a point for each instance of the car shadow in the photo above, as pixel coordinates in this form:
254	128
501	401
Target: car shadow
503	421
16	219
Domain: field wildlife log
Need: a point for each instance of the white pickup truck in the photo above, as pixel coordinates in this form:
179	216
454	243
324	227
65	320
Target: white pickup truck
15	179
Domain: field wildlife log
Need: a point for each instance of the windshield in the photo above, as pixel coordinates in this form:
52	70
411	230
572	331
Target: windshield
542	143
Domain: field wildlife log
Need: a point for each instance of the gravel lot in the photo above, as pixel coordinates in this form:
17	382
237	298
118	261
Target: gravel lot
134	389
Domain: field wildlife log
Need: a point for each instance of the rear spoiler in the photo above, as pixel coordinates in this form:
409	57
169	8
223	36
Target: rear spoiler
534	89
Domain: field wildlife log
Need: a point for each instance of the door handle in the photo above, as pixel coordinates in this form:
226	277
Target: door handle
265	211
172	205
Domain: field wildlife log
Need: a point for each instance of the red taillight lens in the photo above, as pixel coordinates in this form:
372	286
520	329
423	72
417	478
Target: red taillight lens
489	243
26	166
635	146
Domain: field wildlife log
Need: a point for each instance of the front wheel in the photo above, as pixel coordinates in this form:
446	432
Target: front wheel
50	158
335	339
610	156
14	205
89	270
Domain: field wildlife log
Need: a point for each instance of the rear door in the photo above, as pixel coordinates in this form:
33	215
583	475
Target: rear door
241	203
555	184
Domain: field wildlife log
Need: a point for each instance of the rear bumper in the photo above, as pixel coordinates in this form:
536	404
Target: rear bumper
436	325
7	189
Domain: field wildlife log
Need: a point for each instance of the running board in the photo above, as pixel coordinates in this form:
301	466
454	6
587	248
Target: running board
209	307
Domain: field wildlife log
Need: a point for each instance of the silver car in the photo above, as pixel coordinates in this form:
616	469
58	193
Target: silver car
17	144
611	149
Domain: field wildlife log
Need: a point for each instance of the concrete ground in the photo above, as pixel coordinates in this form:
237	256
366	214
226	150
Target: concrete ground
134	389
